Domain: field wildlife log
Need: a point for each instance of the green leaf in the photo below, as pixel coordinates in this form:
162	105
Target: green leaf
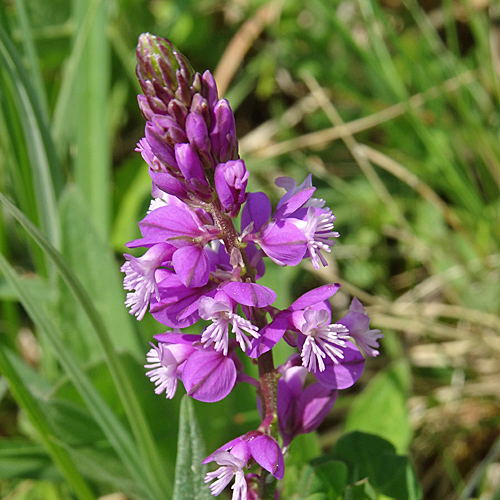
89	112
157	405
26	401
20	459
372	458
101	465
72	424
362	453
396	478
333	475
388	389
304	448
299	473
360	491
95	266
39	386
30	53
189	471
45	168
325	476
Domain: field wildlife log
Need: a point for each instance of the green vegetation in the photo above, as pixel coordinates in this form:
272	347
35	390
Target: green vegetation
392	105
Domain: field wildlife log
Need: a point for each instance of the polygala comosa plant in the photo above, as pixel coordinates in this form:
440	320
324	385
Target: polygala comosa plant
200	263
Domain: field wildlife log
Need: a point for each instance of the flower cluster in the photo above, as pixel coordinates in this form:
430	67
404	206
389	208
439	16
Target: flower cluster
198	264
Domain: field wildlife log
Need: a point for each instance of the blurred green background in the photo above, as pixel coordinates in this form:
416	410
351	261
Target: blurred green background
392	105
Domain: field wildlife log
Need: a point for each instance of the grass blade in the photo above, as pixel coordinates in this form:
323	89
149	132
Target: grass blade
140	428
111	426
89	113
189	472
28	403
31	54
44	164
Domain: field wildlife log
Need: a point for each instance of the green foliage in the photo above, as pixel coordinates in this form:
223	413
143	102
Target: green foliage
361	467
419	228
189	472
388	390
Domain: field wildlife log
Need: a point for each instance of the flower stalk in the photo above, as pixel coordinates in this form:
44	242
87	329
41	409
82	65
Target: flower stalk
198	264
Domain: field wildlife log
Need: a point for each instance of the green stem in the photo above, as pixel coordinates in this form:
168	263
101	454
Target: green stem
268	377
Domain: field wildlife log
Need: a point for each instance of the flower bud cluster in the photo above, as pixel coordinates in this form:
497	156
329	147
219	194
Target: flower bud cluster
190	144
198	265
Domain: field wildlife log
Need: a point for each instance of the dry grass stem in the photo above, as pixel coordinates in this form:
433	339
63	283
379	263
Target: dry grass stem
241	43
262	135
323	137
437	310
392	166
355	151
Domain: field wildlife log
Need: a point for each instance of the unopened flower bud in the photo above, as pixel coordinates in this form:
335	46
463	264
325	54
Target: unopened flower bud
199	105
209	89
162	70
163	151
231	182
223	133
190	164
178	111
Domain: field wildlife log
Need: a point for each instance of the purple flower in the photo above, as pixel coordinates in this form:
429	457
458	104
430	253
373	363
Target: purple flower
160	174
189	163
163	72
249	294
317	222
236	455
318	232
197	134
177	225
221	310
182	228
177	305
272	333
209	89
299	226
256	212
207	375
282	241
300	410
346	372
267	453
318	338
166	360
357	321
160	148
292	189
232	464
140	276
197	265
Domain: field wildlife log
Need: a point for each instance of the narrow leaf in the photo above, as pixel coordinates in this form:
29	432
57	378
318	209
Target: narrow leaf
142	431
189	472
95	266
89	113
43	159
26	401
25	460
111	426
